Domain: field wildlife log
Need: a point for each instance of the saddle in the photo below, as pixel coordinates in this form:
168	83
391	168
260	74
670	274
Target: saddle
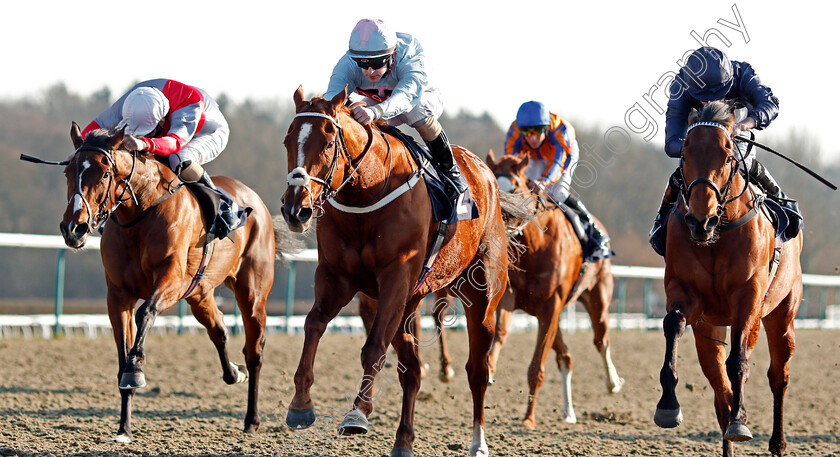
444	209
584	232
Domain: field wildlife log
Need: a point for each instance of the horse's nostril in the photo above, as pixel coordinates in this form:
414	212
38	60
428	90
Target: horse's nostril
712	222
305	214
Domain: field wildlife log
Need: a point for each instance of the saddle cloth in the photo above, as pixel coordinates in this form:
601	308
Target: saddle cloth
444	209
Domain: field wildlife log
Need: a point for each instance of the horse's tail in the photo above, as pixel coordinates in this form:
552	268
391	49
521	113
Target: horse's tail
285	241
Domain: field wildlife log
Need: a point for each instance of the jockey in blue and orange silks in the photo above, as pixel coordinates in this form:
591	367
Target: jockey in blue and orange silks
170	119
553	152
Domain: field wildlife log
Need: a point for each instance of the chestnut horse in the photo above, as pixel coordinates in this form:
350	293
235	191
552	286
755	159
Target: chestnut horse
549	274
717	274
151	250
377	244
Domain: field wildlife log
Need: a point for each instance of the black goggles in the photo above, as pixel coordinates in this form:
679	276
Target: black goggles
533	130
374	63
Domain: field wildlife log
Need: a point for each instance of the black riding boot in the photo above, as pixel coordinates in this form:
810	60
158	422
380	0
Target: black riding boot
444	162
599	242
669	198
227	213
766	181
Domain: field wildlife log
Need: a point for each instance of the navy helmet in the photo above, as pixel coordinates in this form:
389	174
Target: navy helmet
708	74
533	114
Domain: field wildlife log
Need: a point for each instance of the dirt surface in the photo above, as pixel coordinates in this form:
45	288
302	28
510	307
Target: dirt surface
59	397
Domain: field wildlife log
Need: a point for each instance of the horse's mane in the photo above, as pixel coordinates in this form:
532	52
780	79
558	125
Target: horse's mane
98	137
718	112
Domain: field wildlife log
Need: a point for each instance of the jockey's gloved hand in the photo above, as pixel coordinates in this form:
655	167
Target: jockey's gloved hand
133	144
364	115
743	126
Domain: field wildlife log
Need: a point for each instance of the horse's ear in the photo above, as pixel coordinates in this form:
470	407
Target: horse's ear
522	163
339	98
76	135
491	159
116	140
298	98
693	116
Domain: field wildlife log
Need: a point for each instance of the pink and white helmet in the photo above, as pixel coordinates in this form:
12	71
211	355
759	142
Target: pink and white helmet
372	38
142	110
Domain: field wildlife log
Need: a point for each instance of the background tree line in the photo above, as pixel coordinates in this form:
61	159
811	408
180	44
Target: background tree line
624	191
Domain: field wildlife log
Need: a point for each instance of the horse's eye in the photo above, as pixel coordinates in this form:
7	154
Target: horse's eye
330	144
107	174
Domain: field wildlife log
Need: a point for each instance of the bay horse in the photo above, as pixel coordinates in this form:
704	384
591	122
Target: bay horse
548	274
377	244
718	274
151	250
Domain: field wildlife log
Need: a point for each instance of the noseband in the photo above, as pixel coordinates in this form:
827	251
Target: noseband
102	214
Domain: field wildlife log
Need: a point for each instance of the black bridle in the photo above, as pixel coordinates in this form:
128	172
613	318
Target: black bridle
103	213
721	194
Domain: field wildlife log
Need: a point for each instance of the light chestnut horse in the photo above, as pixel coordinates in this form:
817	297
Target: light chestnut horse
548	275
151	250
335	162
717	274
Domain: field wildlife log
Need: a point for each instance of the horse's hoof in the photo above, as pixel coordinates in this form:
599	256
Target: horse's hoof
529	423
132	380
569	417
354	423
241	373
479	450
737	432
668	418
300	418
120	439
491	380
401	452
447	375
615	388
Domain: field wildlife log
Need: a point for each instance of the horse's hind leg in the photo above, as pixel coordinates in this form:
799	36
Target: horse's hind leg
598	307
443	303
409	367
506	305
208	314
564	363
547	317
251	292
709	342
780	338
480	307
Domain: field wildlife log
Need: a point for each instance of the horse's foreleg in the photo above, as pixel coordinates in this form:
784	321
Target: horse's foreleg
443	303
390	316
709	342
668	413
119	313
506	305
331	294
133	377
564	363
744	336
780	338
